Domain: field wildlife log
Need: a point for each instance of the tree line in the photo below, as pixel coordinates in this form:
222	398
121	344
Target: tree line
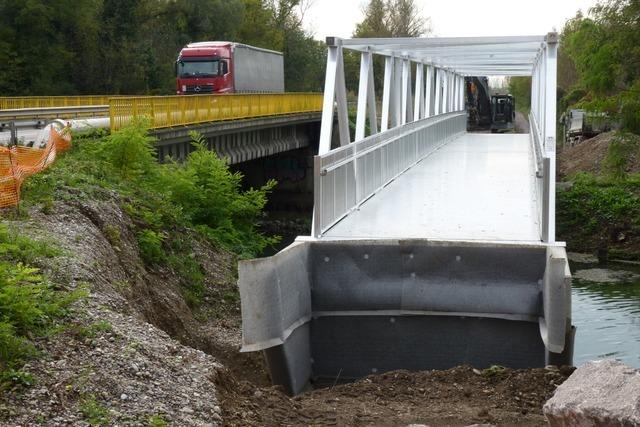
601	71
66	47
599	63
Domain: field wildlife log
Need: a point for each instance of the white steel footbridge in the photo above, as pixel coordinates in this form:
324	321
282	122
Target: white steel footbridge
430	246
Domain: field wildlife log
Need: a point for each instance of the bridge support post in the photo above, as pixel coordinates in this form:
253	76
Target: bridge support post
438	89
551	55
429	92
334	91
418	108
386	92
366	98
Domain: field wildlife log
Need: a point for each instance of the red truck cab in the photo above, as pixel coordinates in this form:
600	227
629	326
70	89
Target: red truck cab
205	67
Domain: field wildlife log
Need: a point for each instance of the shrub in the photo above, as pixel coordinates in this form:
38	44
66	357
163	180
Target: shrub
30	306
150	244
621	149
130	152
591	212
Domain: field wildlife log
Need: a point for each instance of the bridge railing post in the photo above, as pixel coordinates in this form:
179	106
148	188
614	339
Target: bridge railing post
366	98
551	55
428	92
389	67
334	91
418	107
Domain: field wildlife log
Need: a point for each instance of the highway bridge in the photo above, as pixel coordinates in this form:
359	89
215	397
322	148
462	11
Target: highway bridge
431	247
238	127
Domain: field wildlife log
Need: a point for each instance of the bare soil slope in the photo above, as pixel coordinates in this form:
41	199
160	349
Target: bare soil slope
588	156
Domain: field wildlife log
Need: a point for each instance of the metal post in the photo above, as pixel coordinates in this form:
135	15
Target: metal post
418	108
550	128
406	88
326	126
372	108
436	106
13	139
396	94
386	92
445	93
363	94
341	100
454	92
428	92
463	88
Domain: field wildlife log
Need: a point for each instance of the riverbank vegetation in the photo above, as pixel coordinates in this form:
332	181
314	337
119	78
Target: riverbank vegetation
200	193
600	209
32	306
599	71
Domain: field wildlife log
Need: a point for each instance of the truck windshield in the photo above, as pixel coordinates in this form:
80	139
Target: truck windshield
199	68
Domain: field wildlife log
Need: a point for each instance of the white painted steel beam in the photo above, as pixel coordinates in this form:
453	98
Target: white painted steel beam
438	89
406	91
418	108
386	92
366	98
428	92
550	133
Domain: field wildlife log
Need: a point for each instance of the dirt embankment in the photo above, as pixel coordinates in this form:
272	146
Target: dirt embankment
136	352
588	156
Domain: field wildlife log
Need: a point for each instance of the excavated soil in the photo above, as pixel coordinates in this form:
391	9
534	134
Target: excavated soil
588	156
159	357
457	397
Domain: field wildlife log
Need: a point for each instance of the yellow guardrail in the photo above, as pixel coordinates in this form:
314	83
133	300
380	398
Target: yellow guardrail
14	102
167	111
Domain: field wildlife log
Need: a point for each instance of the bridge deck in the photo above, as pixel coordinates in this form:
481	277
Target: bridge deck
476	187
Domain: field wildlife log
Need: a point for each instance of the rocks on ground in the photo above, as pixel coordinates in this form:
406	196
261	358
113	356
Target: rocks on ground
600	393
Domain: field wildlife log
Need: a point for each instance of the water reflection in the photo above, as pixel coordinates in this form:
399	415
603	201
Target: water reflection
607	316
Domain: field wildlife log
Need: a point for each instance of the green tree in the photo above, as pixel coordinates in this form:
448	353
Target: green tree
604	48
405	19
375	22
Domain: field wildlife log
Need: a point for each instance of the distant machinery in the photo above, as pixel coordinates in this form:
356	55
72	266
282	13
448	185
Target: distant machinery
478	103
503	113
580	124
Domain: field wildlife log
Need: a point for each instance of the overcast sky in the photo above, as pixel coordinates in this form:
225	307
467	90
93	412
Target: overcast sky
455	17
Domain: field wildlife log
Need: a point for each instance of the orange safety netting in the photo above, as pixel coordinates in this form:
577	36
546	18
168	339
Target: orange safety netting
17	163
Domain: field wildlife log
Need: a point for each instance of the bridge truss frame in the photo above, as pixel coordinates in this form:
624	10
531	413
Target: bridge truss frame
438	89
346	305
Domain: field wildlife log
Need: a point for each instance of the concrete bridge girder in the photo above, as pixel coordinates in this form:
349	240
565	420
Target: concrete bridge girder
243	140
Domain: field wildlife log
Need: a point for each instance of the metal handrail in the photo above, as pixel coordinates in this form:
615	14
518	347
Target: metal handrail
169	111
53	112
16	102
537	146
346	177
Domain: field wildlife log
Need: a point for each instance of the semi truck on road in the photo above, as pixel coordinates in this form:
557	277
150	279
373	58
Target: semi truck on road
227	67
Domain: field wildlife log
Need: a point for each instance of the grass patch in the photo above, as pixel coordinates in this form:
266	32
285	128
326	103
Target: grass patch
94	412
157	420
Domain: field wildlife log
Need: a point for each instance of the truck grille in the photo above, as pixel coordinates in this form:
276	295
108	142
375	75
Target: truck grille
194	89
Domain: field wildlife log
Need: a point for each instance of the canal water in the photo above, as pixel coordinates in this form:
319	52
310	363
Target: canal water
606	311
